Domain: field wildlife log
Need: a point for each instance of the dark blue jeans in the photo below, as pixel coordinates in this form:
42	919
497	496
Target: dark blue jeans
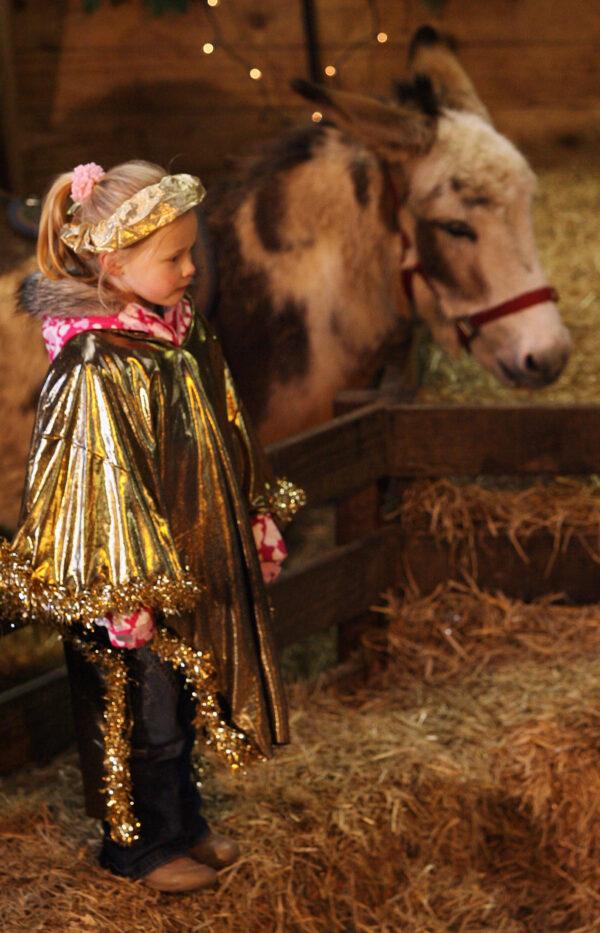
166	799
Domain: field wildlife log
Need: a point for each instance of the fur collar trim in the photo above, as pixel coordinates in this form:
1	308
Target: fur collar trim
38	296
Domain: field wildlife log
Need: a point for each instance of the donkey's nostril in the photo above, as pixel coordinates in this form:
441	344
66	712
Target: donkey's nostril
531	364
542	368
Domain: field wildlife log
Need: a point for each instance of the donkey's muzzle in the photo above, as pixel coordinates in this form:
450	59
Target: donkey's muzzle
539	368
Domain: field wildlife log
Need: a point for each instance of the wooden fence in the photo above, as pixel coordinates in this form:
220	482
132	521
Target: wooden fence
344	462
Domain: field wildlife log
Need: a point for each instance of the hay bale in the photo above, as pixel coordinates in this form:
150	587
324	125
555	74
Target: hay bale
454	513
551	767
459	630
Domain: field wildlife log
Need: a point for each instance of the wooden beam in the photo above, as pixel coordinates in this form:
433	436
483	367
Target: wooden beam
351	451
335	587
10	167
336	458
311	40
449	440
35	720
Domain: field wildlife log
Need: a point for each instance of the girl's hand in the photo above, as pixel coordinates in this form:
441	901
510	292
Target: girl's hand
270	570
129	630
270	546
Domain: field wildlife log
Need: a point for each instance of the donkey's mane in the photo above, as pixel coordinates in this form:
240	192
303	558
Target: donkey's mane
284	152
261	177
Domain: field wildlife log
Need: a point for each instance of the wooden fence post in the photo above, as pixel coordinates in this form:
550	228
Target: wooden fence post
356	515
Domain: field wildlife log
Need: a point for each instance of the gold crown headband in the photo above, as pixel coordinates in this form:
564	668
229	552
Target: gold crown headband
146	211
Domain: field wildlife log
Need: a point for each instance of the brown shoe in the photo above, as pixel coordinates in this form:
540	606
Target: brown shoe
215	850
181	874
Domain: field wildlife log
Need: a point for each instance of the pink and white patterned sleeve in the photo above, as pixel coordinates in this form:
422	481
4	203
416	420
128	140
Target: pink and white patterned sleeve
129	630
269	544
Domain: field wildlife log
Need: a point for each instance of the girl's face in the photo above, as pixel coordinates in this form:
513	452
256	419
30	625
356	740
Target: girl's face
161	269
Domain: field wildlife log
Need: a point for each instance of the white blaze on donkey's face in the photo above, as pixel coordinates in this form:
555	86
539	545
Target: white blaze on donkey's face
470	208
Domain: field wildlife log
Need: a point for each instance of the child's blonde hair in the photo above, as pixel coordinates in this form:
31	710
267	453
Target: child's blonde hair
56	260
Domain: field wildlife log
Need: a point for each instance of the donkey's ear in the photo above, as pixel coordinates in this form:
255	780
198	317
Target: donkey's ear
394	131
433	55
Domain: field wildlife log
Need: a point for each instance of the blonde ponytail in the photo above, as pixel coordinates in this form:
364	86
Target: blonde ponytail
55	259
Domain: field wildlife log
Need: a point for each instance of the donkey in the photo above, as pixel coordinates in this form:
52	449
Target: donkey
316	237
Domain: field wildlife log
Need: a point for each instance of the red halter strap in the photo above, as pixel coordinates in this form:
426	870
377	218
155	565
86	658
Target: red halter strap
467	328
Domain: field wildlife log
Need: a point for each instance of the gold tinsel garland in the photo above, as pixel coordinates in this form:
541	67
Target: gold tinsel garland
24	597
209	725
283	500
124	826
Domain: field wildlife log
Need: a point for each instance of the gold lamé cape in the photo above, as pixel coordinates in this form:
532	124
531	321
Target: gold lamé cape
142	475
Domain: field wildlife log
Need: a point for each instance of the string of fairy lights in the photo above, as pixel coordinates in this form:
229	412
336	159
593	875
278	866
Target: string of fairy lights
374	36
268	76
218	42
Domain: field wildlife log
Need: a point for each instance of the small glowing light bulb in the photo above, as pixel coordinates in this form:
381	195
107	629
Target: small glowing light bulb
382	37
213	2
255	74
208	48
317	117
330	70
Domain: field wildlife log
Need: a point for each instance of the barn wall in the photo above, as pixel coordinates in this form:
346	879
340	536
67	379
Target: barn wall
534	62
121	83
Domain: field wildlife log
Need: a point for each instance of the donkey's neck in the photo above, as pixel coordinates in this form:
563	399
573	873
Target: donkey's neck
324	229
305	229
340	193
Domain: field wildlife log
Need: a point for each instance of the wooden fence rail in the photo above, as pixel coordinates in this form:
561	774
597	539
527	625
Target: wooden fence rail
344	462
418	441
435	440
333	460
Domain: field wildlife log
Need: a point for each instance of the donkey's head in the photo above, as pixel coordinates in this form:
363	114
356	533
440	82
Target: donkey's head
464	197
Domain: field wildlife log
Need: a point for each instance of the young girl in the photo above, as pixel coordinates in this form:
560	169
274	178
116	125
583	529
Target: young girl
147	521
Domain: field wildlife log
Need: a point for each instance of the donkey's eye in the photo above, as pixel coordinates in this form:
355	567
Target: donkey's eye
457	228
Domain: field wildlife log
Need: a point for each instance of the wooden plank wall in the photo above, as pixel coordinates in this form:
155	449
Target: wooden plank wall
121	83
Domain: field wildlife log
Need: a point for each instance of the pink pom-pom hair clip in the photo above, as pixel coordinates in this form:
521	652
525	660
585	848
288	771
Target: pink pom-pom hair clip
84	178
